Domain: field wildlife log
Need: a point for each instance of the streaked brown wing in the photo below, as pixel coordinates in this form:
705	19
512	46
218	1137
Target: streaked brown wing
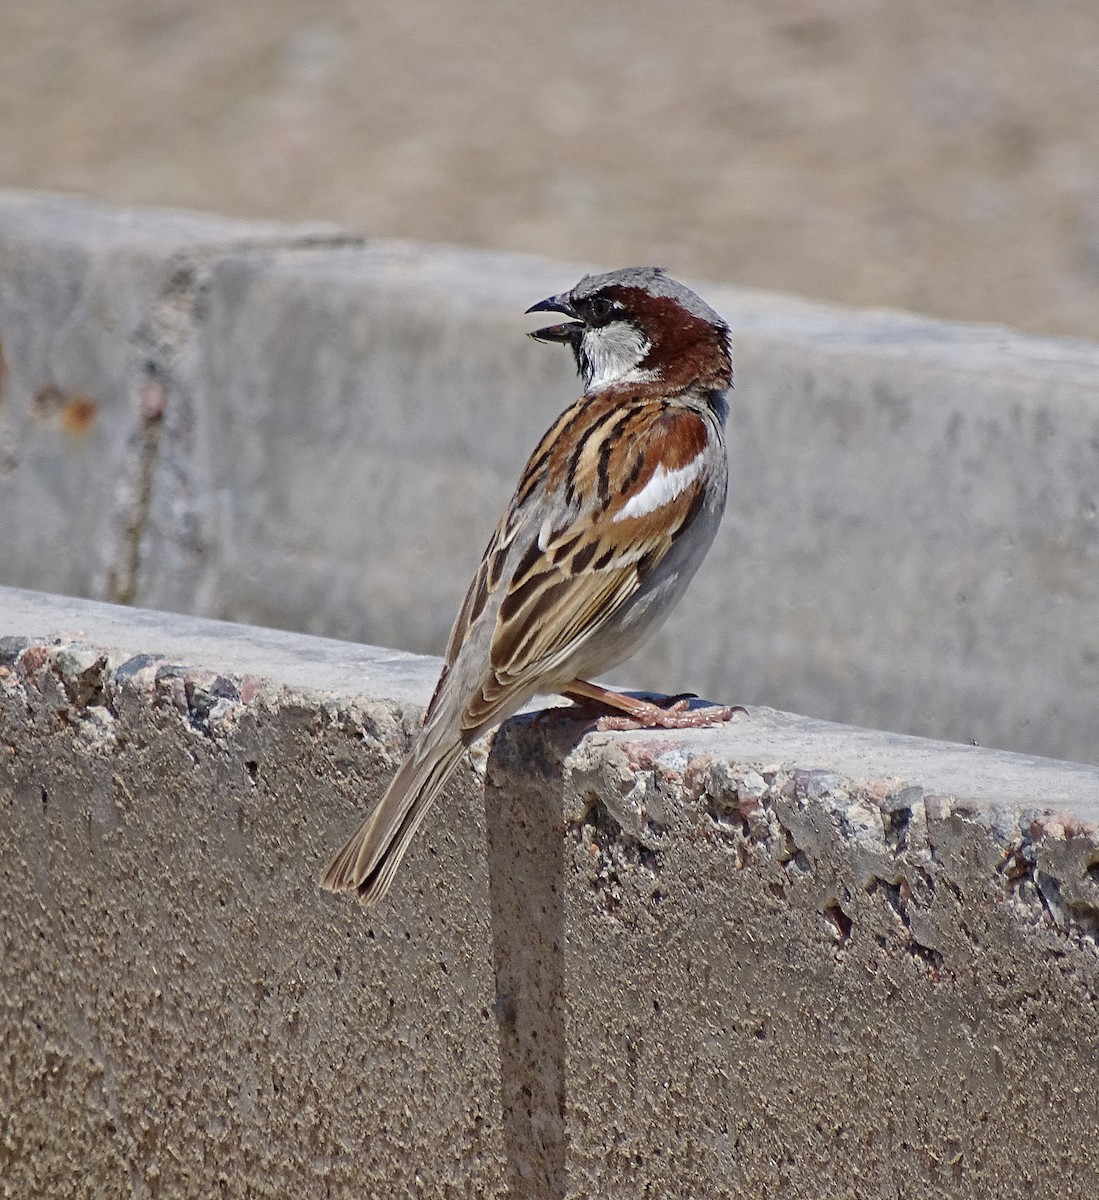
476	598
487	578
568	592
572	580
565	613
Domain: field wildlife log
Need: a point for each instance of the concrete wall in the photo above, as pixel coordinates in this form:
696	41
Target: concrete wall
283	426
783	958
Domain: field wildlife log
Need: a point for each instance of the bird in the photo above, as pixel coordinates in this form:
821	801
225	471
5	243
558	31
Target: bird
612	515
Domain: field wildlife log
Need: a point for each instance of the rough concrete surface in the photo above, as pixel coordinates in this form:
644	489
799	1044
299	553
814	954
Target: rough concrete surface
304	430
780	958
184	1013
804	961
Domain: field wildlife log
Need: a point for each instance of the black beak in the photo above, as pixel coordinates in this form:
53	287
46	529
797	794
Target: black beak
569	331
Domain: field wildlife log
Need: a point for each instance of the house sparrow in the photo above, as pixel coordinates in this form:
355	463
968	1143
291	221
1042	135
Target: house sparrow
613	513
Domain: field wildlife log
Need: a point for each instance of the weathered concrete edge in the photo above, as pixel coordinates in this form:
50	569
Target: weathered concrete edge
312	665
858	776
879	803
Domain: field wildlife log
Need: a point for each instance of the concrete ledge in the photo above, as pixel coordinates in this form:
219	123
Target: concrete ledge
288	426
784	958
185	1013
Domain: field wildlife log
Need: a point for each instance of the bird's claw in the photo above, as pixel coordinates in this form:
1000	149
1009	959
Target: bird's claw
676	716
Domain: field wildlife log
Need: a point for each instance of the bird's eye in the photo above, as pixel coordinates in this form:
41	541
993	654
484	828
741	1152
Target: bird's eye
601	308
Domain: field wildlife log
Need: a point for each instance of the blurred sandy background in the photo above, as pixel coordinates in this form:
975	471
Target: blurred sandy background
941	156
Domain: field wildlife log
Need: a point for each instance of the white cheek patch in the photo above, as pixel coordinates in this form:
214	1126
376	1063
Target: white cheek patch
662	488
612	354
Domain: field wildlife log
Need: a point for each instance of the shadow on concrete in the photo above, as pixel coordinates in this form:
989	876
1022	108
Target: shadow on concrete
526	861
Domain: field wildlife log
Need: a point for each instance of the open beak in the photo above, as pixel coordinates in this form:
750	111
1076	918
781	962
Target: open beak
568	331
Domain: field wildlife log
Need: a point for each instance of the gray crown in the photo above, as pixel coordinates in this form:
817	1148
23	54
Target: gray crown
655	282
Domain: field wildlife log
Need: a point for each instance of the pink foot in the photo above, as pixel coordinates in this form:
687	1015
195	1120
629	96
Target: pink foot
676	716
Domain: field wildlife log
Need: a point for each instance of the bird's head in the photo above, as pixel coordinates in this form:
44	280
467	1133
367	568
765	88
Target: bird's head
638	325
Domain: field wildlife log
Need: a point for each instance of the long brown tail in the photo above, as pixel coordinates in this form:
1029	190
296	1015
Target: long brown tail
371	856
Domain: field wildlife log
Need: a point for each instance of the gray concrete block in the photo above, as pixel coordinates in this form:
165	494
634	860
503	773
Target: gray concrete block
96	306
779	957
799	960
184	1012
911	540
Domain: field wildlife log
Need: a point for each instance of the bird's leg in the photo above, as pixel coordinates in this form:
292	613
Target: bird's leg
643	714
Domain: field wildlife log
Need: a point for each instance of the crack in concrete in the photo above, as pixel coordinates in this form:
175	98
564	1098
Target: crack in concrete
161	401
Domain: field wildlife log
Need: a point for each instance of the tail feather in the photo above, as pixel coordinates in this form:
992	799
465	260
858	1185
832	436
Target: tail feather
371	856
